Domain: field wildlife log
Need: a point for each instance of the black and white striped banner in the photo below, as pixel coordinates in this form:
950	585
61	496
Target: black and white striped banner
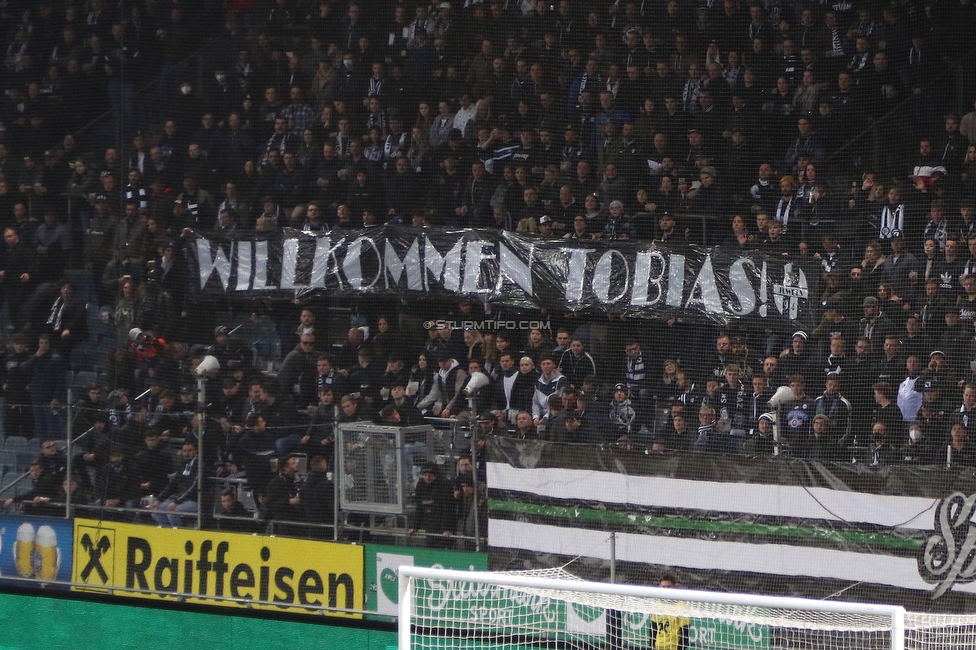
789	525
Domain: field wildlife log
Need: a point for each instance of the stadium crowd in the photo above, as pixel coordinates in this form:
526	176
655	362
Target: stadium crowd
839	136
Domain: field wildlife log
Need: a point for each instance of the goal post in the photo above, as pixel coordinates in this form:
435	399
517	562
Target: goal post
464	610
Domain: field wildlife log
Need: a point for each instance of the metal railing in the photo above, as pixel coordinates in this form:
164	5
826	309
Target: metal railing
347	524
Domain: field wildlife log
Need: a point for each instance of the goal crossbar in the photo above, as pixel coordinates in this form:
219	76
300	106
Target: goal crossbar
408	575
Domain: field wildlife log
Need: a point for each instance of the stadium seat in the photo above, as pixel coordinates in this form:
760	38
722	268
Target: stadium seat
100	355
23	486
5	482
83	379
24	459
246	497
8	460
91	357
15	443
80	358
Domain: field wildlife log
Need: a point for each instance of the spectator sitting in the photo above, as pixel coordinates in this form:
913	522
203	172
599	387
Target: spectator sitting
960	452
179	497
45	489
761	442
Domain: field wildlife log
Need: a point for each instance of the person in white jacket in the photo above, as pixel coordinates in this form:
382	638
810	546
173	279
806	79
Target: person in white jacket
550	382
909	399
446	391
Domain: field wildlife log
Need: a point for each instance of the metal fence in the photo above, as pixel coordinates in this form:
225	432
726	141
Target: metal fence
374	500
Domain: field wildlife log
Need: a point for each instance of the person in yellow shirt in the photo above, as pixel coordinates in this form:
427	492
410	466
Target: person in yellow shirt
669	632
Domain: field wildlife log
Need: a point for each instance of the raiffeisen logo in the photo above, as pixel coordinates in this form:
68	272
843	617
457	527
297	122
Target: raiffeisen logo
205	570
220	568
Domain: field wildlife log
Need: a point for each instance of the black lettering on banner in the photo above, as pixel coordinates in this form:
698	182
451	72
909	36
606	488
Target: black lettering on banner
95	551
207	569
265	573
637	279
188	569
135	570
310	584
220	567
204	566
242	577
169	566
341	580
282	576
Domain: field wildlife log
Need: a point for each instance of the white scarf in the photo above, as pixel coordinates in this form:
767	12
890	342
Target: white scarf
783	211
54	320
891	220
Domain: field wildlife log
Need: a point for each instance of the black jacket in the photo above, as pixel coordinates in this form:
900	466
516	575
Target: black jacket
318	498
182	485
436	512
520	398
280	490
117	483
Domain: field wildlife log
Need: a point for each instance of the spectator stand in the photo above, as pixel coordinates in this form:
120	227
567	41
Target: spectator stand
491	117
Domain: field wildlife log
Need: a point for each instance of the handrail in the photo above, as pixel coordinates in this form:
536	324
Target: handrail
388	531
14	484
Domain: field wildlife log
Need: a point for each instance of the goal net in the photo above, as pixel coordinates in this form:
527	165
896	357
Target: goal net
457	610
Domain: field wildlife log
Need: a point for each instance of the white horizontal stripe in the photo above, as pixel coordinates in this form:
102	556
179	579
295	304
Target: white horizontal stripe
776	559
916	513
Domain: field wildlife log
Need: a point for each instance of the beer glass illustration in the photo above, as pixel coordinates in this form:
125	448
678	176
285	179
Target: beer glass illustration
23	548
46	558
